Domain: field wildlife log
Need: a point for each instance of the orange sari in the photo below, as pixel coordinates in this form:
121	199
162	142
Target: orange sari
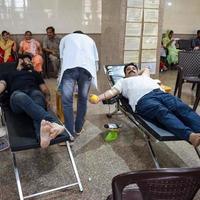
32	46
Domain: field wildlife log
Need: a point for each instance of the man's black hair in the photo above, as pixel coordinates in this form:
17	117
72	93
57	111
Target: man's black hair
28	32
4	32
171	32
81	32
51	28
198	31
128	64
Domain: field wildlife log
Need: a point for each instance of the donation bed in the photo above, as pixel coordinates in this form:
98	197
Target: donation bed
151	131
22	137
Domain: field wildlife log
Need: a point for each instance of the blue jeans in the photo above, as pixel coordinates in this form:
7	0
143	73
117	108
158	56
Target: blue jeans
32	102
168	110
83	79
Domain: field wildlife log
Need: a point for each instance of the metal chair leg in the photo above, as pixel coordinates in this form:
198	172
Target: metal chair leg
197	98
19	187
74	166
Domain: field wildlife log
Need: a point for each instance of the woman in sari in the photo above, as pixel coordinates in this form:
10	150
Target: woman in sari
33	47
169	44
7	47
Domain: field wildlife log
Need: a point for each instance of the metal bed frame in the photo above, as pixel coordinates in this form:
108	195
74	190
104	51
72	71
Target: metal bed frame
150	131
15	147
19	139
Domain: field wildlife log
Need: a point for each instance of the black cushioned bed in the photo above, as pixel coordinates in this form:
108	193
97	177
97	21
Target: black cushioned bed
21	132
150	130
21	136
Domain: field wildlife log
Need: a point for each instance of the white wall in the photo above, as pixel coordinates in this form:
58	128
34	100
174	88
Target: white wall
183	16
17	16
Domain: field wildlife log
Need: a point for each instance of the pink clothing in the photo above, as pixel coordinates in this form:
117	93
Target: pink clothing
33	46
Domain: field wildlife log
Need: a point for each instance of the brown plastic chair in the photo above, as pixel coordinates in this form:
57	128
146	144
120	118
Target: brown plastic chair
157	184
197	97
185	44
188	69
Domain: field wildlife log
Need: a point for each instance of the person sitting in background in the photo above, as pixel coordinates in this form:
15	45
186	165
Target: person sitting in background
32	46
148	100
163	59
169	44
7	47
196	41
51	47
29	94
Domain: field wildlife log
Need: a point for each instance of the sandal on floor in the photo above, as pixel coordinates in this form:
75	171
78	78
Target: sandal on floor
3	144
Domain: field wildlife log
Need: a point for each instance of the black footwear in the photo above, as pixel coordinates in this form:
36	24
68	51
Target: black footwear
82	130
4	144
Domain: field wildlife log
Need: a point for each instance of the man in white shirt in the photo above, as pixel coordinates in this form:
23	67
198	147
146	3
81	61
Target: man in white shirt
148	100
79	64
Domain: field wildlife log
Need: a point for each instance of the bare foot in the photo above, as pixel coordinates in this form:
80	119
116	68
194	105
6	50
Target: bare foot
195	139
45	138
56	130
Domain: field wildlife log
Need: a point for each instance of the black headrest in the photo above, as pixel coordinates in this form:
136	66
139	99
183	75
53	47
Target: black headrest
7	67
25	55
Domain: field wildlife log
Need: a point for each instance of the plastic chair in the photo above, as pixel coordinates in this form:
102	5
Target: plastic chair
188	69
197	97
185	44
157	184
47	67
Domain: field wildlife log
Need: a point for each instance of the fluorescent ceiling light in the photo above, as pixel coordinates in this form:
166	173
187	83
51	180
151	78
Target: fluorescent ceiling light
169	3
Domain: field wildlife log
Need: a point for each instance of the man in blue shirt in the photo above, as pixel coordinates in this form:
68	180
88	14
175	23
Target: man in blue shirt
196	41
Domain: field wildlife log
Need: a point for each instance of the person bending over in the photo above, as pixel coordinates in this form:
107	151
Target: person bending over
29	94
148	100
79	64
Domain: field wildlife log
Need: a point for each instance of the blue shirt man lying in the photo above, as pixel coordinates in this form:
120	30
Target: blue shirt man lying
148	100
29	94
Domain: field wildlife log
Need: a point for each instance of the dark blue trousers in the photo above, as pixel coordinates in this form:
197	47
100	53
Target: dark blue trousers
32	102
168	110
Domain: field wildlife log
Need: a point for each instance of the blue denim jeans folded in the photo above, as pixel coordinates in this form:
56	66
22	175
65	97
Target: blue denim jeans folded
32	102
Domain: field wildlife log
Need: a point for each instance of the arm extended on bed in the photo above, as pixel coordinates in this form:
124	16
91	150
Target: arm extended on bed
104	96
108	94
145	71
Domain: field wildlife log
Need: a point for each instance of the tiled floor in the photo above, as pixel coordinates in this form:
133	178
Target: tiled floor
97	160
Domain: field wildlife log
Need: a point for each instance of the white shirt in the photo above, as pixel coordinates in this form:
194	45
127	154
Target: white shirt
135	87
79	50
